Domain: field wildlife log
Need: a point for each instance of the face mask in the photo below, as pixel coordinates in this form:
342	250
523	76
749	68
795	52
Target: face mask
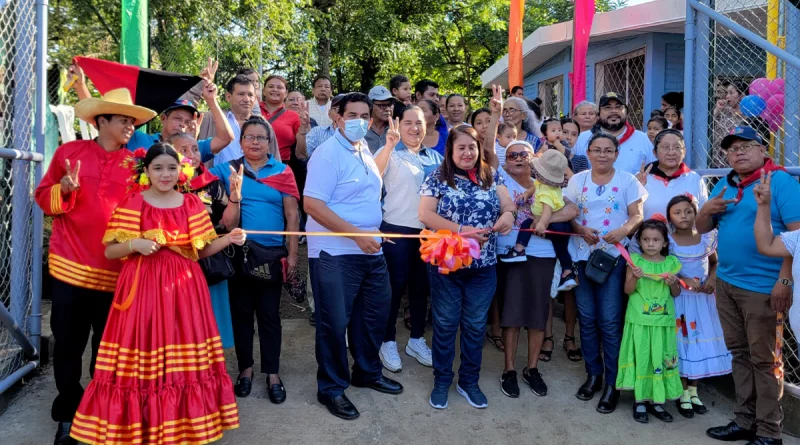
355	129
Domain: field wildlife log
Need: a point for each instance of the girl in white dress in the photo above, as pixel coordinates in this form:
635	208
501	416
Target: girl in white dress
701	346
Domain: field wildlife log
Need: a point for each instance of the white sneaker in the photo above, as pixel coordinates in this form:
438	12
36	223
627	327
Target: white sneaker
417	348
390	358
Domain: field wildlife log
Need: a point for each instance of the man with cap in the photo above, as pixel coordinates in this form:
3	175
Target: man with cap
83	185
752	289
382	108
635	148
182	116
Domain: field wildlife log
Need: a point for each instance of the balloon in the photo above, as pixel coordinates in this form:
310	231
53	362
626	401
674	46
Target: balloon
777	86
760	87
752	106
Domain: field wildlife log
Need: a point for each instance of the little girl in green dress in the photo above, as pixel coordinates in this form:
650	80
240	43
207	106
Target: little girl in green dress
648	358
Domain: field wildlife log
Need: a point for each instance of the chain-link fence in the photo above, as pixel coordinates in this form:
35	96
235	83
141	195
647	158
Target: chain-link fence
550	93
17	263
745	70
624	75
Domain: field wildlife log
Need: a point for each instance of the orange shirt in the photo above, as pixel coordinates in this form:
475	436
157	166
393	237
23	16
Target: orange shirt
77	253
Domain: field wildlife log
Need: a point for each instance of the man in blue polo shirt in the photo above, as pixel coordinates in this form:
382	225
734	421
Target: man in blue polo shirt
182	116
349	277
751	288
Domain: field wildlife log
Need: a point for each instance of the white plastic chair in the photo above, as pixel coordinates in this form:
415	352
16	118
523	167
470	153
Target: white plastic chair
88	132
65	115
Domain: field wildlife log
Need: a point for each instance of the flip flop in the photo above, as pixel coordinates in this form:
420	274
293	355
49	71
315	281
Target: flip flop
497	341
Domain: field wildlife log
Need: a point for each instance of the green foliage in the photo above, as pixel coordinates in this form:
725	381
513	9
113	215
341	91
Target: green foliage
359	43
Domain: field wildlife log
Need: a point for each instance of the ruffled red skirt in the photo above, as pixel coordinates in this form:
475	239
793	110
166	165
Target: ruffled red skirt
160	376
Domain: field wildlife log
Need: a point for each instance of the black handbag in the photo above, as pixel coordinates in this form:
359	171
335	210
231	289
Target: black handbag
218	267
599	266
261	262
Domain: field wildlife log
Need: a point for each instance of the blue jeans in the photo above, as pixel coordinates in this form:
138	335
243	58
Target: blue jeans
601	313
460	299
352	294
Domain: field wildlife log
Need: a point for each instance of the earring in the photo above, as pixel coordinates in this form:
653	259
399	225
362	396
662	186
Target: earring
144	180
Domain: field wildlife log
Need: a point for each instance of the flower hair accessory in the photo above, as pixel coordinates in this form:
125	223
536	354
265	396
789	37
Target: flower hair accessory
186	172
139	181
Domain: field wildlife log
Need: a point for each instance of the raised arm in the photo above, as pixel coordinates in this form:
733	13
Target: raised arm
496	105
224	132
766	243
392	138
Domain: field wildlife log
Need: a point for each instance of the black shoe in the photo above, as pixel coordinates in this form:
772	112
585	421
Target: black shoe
243	387
567	283
660	414
276	392
593	384
513	256
685	412
761	440
698	408
534	379
608	401
730	433
508	384
340	407
311	320
384	385
62	434
640	416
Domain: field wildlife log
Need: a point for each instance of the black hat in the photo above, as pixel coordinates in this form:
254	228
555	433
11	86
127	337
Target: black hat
608	97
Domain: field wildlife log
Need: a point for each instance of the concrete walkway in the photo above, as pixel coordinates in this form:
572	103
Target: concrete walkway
558	418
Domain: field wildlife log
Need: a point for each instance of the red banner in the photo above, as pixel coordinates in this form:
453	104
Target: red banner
515	43
584	13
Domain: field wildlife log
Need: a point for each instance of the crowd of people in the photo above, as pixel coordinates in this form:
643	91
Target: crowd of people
186	250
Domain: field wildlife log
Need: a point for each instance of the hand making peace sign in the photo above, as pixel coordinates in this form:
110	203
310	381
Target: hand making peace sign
718	204
496	104
305	119
69	183
762	190
642	175
210	70
393	133
235	179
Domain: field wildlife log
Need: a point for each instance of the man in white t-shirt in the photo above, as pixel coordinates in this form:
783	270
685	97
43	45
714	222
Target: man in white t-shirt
634	146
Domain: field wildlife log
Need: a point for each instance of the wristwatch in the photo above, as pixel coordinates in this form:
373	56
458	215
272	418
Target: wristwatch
786	281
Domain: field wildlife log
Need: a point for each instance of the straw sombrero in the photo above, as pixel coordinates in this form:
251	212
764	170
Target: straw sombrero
113	102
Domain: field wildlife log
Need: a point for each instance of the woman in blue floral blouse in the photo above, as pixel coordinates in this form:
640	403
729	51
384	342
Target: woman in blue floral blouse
464	194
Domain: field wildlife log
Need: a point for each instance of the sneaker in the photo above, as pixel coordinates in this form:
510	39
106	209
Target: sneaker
438	398
417	349
302	240
513	256
390	358
474	396
508	384
567	283
534	379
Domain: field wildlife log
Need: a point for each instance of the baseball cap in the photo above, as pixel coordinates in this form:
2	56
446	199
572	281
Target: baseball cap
608	97
336	99
184	104
379	93
744	133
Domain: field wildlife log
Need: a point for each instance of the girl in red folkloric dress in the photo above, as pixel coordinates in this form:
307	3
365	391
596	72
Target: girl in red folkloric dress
160	376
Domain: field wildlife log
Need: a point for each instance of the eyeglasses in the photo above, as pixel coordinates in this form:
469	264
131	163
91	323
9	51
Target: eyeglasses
597	151
670	149
510	110
514	155
251	138
741	149
613	108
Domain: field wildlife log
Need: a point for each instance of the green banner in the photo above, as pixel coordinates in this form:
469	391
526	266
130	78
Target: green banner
134	43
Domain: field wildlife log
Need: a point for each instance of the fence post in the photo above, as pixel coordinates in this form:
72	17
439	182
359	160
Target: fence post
791	140
702	74
35	320
688	83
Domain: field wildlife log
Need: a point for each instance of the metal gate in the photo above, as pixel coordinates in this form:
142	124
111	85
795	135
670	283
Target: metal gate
23	39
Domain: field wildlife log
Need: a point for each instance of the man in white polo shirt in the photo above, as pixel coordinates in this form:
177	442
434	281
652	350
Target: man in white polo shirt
634	146
349	277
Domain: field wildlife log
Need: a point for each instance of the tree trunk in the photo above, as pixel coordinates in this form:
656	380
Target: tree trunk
369	70
324	56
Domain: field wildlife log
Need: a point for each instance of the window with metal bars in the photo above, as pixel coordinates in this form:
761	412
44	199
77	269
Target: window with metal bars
550	92
624	75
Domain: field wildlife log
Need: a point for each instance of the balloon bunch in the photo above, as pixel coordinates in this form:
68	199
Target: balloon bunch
447	250
766	100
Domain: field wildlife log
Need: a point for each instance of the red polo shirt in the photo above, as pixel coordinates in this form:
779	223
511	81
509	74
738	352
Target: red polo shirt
285	126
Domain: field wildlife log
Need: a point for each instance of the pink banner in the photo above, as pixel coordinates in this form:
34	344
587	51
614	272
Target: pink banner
584	13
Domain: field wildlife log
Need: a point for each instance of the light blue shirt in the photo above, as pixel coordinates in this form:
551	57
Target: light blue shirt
404	174
740	264
233	150
140	139
347	180
317	136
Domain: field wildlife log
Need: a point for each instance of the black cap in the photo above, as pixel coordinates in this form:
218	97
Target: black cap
608	97
184	104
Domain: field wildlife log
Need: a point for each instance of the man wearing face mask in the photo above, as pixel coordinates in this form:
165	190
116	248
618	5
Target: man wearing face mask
349	277
635	147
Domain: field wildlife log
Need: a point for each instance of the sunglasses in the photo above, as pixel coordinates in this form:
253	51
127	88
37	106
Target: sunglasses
518	155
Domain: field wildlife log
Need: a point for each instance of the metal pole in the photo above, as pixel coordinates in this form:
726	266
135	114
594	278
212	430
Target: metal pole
791	107
17	375
7	320
745	33
35	318
689	83
20	170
